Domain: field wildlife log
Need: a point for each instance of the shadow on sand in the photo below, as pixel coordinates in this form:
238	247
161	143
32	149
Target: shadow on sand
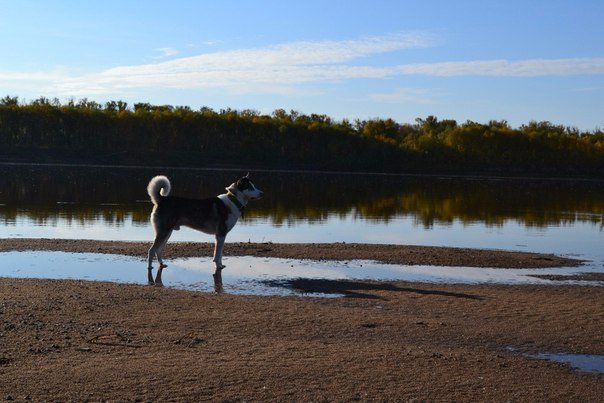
356	289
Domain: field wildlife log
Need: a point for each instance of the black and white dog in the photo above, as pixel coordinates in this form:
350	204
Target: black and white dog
214	215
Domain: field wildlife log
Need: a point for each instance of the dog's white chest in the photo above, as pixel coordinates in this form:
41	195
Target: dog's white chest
231	221
234	214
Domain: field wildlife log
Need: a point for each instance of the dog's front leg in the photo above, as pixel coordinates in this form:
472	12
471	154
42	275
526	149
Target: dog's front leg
218	246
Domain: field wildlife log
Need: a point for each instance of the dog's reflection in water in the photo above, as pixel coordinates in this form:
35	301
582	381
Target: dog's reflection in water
157	281
218	281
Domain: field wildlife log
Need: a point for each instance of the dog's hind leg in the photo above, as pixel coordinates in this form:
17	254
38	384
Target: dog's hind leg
157	248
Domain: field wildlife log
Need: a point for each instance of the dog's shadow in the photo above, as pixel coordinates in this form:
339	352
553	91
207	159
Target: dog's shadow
345	288
356	289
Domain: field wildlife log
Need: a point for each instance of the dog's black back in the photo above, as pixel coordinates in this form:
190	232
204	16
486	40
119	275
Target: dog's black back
206	215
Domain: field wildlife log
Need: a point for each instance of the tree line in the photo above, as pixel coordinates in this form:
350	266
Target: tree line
145	134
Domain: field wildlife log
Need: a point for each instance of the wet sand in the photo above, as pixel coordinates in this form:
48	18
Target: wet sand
396	254
95	341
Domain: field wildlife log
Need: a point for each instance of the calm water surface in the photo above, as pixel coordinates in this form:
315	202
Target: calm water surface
563	217
262	276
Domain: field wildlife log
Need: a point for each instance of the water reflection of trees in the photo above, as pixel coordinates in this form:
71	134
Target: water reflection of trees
81	196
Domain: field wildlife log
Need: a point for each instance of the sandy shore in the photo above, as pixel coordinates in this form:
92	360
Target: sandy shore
94	341
397	254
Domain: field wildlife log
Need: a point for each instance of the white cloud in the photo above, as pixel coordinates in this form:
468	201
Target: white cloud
500	68
29	81
587	89
209	42
290	65
166	52
273	66
413	95
285	67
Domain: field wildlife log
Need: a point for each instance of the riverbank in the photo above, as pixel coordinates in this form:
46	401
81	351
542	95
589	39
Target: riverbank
10	161
394	254
93	341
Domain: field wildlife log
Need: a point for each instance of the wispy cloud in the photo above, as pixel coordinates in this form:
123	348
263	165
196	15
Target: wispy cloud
501	68
587	89
284	67
211	42
166	52
29	81
412	95
275	66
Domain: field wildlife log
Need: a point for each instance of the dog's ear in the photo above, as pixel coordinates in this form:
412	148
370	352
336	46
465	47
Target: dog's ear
246	176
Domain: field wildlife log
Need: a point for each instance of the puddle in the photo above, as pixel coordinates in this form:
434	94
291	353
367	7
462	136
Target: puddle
263	276
580	362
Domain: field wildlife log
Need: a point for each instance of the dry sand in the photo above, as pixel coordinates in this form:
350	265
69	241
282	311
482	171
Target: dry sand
399	341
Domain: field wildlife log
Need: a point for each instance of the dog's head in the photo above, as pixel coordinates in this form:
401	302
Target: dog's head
245	187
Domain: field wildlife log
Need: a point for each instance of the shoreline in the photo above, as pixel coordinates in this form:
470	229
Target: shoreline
78	340
233	168
383	253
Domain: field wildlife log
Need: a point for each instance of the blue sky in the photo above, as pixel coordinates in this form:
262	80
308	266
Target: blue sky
478	60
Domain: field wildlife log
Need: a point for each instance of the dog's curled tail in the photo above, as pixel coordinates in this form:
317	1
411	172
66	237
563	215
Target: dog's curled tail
159	185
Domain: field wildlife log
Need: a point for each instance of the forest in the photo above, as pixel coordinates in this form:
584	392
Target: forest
84	131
